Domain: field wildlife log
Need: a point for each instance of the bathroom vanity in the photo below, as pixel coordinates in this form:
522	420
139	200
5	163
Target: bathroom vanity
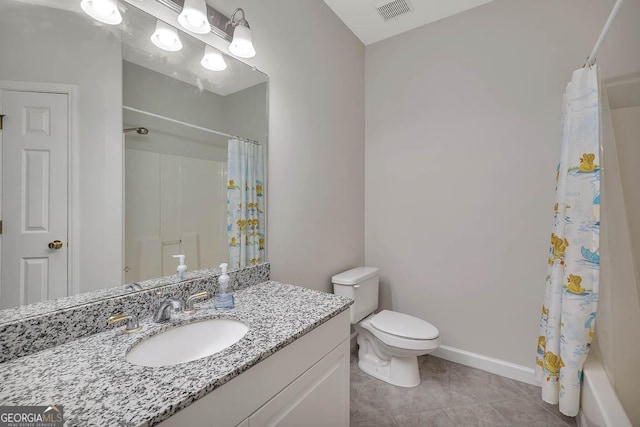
304	384
290	369
56	344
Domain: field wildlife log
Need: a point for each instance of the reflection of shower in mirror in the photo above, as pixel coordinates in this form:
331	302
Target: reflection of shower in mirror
139	130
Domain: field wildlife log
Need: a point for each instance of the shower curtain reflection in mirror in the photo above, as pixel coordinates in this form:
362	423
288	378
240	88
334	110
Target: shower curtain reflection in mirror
245	203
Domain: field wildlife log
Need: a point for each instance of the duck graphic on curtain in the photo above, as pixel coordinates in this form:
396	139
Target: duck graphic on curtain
571	288
245	203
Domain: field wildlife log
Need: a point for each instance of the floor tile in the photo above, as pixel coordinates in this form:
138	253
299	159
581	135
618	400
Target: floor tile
358	376
434	366
450	394
534	393
377	422
402	400
477	415
367	403
555	411
434	418
522	412
499	388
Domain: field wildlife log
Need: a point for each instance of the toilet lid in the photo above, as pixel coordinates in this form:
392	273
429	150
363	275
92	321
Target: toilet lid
404	325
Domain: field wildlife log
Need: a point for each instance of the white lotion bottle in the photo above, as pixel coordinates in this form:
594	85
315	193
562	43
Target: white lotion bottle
182	268
223	299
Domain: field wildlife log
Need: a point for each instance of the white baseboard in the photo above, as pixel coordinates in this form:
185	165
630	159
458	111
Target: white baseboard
489	364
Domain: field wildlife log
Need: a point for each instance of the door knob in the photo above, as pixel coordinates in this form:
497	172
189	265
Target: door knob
56	244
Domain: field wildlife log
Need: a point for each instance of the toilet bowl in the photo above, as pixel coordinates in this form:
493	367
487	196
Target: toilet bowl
389	342
389	350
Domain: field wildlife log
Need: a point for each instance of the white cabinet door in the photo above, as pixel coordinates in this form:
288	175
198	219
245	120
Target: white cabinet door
34	197
319	397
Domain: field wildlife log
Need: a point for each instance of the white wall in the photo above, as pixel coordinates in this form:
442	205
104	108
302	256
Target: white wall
50	43
626	124
462	131
246	113
316	138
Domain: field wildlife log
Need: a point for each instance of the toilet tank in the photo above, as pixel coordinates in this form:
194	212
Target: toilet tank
361	285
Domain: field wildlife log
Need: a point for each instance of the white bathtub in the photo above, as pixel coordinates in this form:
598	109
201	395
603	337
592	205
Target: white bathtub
600	406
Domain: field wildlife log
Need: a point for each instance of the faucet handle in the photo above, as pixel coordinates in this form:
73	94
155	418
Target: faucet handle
132	322
189	308
133	287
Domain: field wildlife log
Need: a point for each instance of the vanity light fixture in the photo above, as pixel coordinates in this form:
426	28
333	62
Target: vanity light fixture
194	17
213	60
105	11
166	37
241	45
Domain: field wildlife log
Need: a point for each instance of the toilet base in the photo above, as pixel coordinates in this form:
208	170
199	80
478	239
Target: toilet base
401	371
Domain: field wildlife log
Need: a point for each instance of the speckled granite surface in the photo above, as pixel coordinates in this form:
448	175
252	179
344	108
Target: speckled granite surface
39	331
98	387
38	309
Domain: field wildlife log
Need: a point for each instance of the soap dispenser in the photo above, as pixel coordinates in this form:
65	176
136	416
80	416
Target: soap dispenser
182	268
223	299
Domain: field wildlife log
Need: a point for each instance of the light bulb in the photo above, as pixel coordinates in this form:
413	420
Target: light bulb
241	45
103	7
105	11
166	37
213	60
195	20
194	17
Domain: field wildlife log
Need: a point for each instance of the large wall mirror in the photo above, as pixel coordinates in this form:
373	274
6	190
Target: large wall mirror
118	155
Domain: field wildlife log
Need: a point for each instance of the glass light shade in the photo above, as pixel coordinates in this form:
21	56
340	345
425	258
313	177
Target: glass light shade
213	60
105	11
166	37
194	17
241	45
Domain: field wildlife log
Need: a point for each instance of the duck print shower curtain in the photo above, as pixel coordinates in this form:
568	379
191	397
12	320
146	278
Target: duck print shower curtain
245	203
571	289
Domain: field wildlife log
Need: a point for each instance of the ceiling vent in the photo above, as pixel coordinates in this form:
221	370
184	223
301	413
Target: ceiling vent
394	8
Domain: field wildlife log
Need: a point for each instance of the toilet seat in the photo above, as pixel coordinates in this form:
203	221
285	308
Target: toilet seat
404	325
402	331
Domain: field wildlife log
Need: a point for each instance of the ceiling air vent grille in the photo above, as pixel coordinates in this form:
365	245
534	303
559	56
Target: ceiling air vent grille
394	9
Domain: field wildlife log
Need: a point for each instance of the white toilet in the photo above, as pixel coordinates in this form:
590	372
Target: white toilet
389	342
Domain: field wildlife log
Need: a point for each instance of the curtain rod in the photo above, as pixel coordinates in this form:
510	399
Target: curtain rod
591	59
169	119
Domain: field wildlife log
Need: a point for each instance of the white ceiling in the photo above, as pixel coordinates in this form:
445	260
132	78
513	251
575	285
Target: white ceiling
362	17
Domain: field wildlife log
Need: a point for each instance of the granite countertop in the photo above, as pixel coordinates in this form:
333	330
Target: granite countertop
94	383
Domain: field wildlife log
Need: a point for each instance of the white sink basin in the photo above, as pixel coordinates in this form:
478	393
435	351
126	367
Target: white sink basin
188	342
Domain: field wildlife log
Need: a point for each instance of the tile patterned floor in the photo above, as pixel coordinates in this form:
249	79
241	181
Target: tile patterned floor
450	395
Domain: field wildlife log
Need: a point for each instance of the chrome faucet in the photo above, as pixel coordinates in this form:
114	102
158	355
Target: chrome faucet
189	308
163	313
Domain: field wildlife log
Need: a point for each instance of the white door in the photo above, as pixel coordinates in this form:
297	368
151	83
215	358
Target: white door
34	197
